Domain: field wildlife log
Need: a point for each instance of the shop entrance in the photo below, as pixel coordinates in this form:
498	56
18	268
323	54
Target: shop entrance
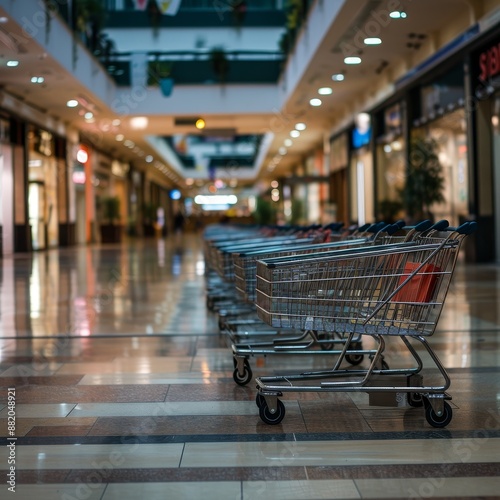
36	210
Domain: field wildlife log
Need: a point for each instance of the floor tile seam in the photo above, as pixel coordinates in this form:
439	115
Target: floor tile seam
368	472
241	438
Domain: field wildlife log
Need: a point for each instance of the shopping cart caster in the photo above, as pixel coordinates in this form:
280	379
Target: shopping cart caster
271	418
242	374
436	420
260	400
355	359
415	399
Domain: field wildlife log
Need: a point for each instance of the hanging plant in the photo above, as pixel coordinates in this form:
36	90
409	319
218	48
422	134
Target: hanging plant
154	14
239	12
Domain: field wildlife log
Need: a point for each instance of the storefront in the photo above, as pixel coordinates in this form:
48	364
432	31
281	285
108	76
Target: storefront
339	154
42	189
439	123
361	181
485	112
390	161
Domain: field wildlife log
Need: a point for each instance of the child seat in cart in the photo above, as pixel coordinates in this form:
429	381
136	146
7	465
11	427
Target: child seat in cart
391	293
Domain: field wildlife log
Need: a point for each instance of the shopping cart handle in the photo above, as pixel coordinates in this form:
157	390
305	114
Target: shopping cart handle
334	226
441	225
393	228
466	228
363	228
375	228
423	226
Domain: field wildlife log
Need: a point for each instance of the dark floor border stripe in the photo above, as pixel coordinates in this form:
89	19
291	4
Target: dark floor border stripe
229	438
276	473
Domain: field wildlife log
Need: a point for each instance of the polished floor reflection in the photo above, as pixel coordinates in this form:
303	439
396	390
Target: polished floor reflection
124	389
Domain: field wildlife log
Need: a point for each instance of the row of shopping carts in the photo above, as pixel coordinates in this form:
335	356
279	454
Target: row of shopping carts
320	290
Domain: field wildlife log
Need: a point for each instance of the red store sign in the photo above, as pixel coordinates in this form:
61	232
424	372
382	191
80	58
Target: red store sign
489	62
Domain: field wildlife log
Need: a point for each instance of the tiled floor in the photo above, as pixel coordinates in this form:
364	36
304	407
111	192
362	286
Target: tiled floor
124	389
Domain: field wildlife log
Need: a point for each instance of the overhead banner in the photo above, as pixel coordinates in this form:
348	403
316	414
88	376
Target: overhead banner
169	7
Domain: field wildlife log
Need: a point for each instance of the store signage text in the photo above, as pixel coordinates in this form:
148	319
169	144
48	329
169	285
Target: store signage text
489	63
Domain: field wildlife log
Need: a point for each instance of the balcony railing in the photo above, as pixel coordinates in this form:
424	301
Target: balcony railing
197	67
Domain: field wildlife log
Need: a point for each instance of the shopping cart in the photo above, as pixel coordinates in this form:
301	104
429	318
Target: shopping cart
393	292
308	341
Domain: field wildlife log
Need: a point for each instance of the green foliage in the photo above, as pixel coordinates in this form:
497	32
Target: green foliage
158	70
298	213
111	209
263	213
425	182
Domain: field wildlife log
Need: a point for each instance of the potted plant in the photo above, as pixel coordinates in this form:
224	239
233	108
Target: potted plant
111	230
219	63
159	73
425	182
149	214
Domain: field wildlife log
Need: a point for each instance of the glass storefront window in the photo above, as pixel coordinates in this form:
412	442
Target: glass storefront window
391	168
449	132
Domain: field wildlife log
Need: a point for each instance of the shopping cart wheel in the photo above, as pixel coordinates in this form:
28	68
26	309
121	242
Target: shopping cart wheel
354	359
272	418
415	399
259	400
245	377
438	420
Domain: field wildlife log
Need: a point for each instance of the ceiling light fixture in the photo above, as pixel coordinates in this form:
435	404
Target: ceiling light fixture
149	158
120	137
325	91
12	63
282	151
288	142
373	41
294	133
397	14
338	77
300	126
315	102
352	60
200	124
72	103
37	79
138	122
88	115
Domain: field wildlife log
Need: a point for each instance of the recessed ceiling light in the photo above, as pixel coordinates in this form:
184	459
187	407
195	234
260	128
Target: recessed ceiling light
4	20
88	115
288	142
325	91
397	14
12	63
315	102
138	122
294	133
149	158
200	124
372	41
282	150
120	137
339	77
72	103
116	122
300	126
352	60
37	79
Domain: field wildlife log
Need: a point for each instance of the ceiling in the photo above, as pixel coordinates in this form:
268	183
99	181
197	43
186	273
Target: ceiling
403	41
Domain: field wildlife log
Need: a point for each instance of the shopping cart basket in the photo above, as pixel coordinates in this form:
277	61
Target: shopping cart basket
392	291
308	341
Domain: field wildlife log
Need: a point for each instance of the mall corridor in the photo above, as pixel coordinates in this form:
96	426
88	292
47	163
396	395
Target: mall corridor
124	390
